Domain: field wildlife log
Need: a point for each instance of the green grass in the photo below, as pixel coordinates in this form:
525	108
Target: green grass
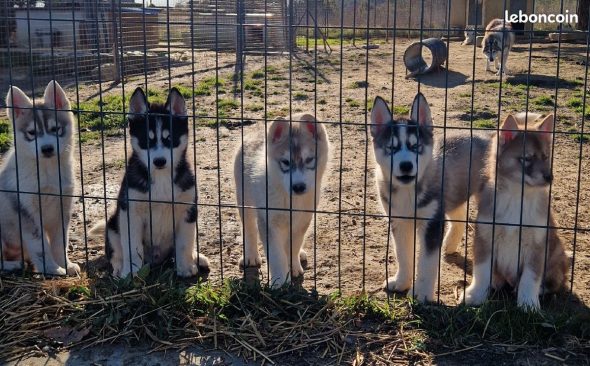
300	96
254	107
401	110
543	100
353	103
5	135
484	123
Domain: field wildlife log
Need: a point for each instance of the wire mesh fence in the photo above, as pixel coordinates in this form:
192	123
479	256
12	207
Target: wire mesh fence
240	65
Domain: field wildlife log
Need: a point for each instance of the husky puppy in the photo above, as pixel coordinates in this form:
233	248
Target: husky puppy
42	152
407	184
292	163
519	156
497	43
158	170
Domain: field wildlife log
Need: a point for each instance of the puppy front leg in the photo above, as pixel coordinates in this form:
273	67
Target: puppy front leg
37	244
131	242
187	260
59	238
477	292
403	238
276	249
529	287
251	257
428	260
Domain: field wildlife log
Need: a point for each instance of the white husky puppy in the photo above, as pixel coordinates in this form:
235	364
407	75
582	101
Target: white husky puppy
157	170
293	163
42	156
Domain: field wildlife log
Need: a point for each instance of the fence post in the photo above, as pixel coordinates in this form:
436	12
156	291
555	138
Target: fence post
114	31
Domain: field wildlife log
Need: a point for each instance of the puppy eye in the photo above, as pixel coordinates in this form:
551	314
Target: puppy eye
309	160
56	130
415	147
31	132
285	162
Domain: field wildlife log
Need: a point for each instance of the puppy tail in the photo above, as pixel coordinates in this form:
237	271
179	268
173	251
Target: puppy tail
97	230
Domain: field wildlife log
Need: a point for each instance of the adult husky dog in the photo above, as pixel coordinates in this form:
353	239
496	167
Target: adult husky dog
409	172
158	170
511	254
42	155
497	43
292	163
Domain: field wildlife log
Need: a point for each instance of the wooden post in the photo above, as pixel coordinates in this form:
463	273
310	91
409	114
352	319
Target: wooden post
114	32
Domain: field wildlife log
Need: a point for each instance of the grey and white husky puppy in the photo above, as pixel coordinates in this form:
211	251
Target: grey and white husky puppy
42	155
158	170
515	193
497	43
292	163
409	172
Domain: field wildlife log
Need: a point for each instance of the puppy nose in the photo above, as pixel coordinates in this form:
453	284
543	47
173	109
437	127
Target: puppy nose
548	177
160	162
299	188
47	150
406	166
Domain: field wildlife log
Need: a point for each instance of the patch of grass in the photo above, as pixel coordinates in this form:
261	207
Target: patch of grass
484	123
258	74
254	86
401	110
353	103
254	107
207	86
158	308
358	84
543	100
299	96
5	135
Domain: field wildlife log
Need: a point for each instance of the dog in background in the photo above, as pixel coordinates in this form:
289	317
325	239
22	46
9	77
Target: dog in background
157	170
470	35
42	152
520	256
291	165
497	43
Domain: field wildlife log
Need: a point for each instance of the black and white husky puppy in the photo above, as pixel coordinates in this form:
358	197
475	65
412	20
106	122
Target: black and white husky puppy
405	175
158	170
39	162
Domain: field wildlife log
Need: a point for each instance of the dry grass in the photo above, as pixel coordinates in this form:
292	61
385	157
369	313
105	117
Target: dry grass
255	323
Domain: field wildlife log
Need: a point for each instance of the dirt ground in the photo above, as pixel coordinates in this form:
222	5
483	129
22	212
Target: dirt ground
347	248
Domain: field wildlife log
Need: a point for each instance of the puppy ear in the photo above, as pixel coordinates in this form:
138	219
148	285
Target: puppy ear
380	116
421	111
55	97
546	126
17	102
175	103
138	103
508	129
278	129
310	123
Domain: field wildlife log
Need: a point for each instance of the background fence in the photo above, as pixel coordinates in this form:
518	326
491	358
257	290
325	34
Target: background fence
247	62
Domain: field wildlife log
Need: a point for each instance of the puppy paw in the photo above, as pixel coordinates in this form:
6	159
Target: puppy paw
394	284
474	296
201	261
73	269
303	258
421	295
297	270
55	271
251	262
187	270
